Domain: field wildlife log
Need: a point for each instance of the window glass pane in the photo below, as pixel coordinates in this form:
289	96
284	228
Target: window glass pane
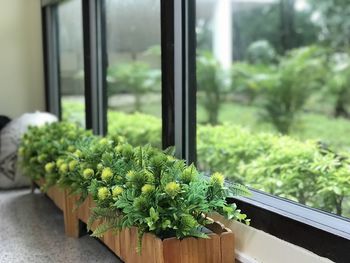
71	61
134	71
273	100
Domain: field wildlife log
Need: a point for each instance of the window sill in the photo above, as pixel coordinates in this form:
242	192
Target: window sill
322	233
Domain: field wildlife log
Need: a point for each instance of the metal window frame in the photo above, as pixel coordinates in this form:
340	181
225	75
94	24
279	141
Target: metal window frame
167	62
51	59
185	79
95	65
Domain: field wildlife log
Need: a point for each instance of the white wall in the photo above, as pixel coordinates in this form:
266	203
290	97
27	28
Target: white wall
21	62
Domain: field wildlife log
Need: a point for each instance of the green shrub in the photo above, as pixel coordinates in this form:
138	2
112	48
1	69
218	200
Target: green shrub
134	77
140	129
273	163
261	52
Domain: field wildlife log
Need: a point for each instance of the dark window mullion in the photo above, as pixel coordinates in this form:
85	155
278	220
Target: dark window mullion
95	65
51	59
185	79
167	46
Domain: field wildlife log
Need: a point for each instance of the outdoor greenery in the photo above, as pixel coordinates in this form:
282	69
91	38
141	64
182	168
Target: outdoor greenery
278	119
276	164
141	186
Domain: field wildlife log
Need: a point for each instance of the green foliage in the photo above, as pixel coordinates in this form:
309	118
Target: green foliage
140	129
306	172
288	87
139	187
261	52
134	77
211	84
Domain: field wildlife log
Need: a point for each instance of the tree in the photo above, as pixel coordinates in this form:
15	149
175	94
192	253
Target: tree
210	82
135	77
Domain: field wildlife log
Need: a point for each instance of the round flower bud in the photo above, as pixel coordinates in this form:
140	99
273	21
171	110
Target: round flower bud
63	168
103	141
21	151
118	149
42	158
103	193
78	154
100	167
217	179
147	189
49	167
88	173
131	175
59	162
107	174
189	174
117	191
172	189
71	148
72	164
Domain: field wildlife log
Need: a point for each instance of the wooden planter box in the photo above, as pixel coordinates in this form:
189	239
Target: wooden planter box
56	194
218	248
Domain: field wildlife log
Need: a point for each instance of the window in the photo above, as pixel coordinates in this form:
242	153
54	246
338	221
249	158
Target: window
273	98
271	104
134	70
71	61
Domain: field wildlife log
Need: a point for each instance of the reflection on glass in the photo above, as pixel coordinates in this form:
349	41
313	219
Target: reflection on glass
274	97
71	61
134	72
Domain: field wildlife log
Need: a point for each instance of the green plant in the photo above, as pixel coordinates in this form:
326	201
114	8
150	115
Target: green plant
139	187
287	90
281	165
135	77
261	52
211	84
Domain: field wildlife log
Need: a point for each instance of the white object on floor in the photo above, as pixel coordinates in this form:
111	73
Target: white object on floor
10	135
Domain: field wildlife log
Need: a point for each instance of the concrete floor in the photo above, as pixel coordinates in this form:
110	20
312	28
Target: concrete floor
31	230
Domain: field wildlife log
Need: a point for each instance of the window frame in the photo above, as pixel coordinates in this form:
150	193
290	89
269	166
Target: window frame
323	233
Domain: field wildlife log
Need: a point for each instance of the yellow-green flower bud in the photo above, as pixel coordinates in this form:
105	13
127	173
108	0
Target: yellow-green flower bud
217	179
118	149
78	154
88	173
21	151
63	168
59	162
100	167
107	174
131	175
147	189
42	158
72	164
117	191
103	193
71	148
189	174
49	167
103	141
172	189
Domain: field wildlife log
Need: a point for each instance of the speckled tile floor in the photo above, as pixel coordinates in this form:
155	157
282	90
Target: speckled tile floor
31	230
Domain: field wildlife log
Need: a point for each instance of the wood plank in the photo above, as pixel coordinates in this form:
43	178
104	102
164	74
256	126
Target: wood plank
227	245
71	220
171	250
